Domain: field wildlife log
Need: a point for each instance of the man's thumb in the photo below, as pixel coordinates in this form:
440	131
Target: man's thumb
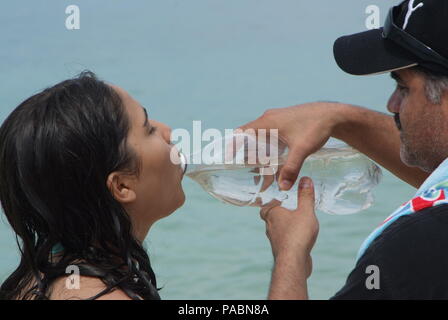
305	194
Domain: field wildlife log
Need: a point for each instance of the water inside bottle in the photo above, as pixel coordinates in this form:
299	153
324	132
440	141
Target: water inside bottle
343	181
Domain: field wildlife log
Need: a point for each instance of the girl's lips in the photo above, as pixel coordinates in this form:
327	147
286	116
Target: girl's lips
179	160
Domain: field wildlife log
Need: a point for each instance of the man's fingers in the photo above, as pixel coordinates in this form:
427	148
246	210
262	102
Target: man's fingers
259	123
306	195
290	170
264	212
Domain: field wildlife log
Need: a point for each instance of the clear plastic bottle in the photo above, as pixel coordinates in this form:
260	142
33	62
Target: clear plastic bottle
343	177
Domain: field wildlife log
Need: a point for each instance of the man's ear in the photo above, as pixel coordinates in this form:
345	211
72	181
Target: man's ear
122	187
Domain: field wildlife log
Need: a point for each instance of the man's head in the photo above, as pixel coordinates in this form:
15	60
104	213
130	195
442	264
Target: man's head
420	107
409	46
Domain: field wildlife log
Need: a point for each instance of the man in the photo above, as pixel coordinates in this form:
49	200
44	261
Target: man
409	250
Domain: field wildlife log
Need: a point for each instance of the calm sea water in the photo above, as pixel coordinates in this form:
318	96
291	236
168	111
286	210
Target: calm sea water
223	62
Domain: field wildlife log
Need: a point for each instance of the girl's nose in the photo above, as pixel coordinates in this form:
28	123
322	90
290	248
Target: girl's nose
164	130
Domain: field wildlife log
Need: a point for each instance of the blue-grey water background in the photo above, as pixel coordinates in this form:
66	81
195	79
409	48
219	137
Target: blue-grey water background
223	62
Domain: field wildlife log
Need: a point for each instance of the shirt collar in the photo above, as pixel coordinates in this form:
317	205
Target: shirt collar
437	176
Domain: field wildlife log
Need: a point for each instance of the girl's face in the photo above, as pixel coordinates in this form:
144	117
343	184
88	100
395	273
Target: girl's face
157	191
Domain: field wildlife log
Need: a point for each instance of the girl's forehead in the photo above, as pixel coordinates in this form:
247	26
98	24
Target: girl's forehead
132	106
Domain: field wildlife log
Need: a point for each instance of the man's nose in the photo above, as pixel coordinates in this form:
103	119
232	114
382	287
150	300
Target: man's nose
394	103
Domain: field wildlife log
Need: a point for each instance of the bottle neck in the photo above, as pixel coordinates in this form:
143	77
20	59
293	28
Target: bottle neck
185	166
183	162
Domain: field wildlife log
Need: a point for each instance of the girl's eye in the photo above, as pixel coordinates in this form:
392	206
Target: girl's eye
151	129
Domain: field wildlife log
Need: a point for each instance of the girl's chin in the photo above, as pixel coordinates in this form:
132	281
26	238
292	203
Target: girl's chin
182	199
177	202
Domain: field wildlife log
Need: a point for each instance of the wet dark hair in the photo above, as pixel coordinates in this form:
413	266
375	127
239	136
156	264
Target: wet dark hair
57	149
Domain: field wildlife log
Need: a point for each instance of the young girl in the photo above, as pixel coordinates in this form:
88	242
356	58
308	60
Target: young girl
83	176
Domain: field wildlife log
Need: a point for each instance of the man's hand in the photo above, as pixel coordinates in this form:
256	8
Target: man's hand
292	234
304	128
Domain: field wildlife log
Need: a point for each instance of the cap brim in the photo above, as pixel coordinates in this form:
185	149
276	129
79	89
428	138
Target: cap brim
368	53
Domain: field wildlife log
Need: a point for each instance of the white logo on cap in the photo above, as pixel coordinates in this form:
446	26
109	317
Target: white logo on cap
411	10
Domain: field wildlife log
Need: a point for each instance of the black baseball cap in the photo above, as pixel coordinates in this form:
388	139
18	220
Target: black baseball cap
413	34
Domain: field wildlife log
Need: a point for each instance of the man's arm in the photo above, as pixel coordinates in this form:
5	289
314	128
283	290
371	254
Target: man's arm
289	279
307	127
292	234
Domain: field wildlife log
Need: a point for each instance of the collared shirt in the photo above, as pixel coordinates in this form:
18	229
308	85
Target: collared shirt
409	259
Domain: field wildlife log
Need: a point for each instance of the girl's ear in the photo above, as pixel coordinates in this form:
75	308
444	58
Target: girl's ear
122	187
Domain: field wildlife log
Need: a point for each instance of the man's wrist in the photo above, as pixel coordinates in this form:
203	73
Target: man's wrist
288	257
289	277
